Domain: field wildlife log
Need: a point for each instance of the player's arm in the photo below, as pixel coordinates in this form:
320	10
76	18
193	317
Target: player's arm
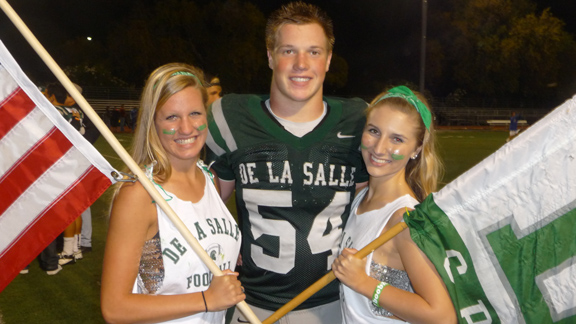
361	185
226	188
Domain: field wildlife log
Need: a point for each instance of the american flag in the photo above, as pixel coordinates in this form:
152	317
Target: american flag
49	173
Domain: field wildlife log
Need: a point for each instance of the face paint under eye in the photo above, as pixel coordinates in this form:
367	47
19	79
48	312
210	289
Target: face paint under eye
362	146
169	131
201	127
397	156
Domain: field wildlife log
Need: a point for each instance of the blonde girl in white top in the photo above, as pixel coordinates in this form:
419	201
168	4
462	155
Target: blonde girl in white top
398	149
150	274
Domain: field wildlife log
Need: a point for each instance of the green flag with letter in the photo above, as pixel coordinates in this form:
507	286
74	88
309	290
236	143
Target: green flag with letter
503	235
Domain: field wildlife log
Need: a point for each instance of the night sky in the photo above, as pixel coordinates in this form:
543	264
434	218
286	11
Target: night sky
376	37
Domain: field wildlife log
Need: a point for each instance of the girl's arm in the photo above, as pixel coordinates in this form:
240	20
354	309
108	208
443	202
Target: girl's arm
429	304
133	221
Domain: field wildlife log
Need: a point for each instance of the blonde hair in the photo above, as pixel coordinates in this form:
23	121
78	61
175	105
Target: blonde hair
162	84
424	172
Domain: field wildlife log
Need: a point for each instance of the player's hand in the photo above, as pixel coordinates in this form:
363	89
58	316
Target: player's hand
224	292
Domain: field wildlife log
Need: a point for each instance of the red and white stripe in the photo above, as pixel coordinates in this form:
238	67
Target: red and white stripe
49	174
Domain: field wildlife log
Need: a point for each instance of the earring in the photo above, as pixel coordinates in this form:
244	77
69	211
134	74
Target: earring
414	157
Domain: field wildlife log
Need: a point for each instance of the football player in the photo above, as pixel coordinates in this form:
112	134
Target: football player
293	159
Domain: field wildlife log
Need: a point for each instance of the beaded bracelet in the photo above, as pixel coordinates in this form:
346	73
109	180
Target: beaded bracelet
377	292
205	305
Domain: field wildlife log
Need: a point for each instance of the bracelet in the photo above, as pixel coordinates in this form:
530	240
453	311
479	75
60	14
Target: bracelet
205	306
377	292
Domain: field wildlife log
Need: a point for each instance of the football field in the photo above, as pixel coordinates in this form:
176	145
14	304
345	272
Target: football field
461	150
73	295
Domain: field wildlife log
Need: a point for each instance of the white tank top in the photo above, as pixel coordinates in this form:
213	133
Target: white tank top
213	226
360	230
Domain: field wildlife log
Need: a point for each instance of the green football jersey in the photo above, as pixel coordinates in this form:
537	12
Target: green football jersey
293	193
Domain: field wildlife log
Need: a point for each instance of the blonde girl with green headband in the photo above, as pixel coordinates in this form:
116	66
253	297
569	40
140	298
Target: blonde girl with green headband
396	283
150	273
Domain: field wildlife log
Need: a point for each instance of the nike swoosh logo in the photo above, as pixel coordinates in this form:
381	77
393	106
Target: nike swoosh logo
344	136
242	321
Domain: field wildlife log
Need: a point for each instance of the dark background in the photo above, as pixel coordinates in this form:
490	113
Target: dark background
379	39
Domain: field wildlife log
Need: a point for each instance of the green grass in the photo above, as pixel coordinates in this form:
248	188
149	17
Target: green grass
461	150
72	296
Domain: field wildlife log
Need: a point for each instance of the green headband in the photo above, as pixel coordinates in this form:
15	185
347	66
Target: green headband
406	94
187	74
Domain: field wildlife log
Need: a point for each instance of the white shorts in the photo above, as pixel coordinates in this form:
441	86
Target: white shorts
325	314
514	132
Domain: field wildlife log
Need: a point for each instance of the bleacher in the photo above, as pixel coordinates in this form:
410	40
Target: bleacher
446	113
99	105
504	122
101	97
493	117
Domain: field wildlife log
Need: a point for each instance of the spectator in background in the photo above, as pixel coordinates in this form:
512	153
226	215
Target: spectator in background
83	228
91	134
214	90
122	116
75	116
48	260
115	119
513	125
133	118
107	116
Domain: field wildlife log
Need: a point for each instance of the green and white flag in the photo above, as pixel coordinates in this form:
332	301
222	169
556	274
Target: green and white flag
503	235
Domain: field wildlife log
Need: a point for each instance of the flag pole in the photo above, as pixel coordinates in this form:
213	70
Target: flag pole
119	149
327	278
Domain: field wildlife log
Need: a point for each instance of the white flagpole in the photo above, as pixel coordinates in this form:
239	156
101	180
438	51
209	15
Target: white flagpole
119	149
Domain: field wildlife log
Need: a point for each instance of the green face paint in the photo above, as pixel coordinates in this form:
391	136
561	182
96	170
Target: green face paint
397	156
201	127
362	146
169	132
